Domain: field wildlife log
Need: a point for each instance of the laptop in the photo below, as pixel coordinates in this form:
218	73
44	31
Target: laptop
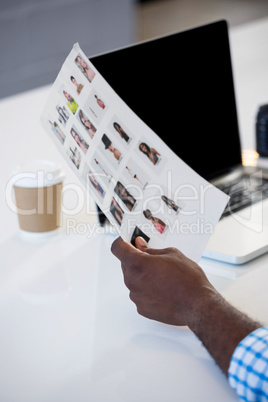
181	85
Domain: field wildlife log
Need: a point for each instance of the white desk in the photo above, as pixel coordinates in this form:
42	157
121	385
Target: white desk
68	330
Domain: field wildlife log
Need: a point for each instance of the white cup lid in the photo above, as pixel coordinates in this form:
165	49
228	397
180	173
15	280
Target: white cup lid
37	173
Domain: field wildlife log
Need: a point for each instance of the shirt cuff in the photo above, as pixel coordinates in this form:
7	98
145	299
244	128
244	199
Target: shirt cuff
248	371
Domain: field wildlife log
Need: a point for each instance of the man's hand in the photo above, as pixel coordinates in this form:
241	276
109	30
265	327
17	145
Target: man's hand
164	284
167	286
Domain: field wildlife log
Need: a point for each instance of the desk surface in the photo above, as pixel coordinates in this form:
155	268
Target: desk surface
68	329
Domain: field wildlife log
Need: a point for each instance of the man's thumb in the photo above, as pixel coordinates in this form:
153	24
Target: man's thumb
142	245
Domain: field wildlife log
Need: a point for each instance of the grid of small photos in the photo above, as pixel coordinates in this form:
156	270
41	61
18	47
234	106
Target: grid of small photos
119	166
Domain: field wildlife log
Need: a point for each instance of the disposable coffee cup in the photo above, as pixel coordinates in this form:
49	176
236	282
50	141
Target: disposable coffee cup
38	195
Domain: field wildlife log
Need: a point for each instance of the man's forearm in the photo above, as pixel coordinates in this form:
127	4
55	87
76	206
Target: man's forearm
220	327
166	286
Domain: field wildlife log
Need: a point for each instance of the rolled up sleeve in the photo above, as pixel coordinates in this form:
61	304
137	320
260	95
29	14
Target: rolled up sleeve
248	371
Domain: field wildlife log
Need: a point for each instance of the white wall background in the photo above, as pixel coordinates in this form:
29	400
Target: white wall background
37	35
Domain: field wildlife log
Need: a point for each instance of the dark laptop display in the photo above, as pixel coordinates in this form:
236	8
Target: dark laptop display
181	86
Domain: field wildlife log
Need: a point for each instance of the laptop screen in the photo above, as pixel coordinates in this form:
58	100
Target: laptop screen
181	86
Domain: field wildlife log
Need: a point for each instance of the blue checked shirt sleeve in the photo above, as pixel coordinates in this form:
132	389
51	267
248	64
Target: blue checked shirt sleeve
248	371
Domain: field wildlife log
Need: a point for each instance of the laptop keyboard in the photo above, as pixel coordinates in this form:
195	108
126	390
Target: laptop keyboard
244	191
